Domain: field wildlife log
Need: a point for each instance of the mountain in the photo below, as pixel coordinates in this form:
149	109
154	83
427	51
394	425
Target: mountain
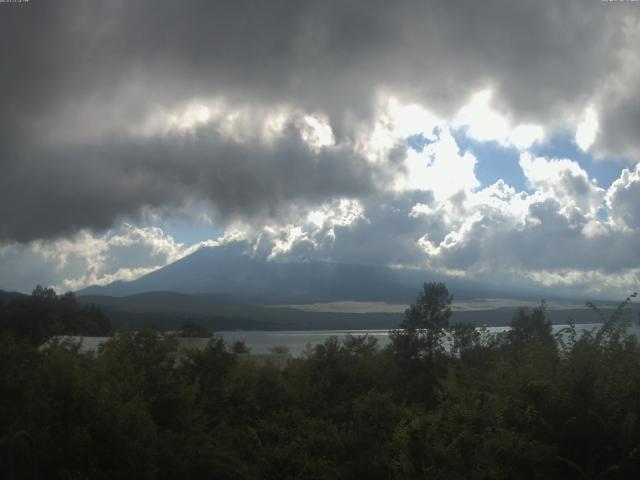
226	289
229	273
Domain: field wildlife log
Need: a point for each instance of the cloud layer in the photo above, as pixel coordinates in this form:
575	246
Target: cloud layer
565	232
290	120
87	81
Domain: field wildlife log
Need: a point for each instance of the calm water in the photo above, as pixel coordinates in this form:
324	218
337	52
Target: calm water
296	341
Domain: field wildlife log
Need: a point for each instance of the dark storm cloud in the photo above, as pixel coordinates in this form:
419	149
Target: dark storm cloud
89	185
76	74
620	125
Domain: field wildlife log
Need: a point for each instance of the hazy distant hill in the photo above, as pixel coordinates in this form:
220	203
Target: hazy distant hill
168	310
6	297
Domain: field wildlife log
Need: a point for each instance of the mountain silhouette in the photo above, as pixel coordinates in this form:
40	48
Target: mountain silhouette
233	272
229	271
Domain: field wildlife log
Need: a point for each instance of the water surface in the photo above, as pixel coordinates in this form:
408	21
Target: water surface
260	342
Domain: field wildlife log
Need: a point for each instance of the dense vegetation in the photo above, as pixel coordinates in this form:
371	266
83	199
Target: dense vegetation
44	314
440	402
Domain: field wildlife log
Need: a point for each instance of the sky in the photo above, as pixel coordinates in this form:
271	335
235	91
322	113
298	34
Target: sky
496	141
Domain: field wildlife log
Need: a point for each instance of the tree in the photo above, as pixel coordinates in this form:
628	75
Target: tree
45	313
531	326
464	338
42	292
421	331
239	347
191	328
431	311
280	350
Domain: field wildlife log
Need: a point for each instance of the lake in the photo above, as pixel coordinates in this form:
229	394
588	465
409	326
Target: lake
296	341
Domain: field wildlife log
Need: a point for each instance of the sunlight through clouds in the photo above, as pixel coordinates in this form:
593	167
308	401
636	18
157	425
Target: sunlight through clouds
486	124
464	139
587	129
440	168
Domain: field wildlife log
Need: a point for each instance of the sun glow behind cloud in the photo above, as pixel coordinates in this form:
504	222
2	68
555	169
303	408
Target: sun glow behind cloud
587	129
486	124
457	230
425	118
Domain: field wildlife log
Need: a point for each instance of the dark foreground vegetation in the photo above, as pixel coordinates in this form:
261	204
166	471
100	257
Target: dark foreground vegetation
440	402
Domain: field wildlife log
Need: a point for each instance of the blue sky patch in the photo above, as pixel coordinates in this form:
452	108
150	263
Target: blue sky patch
495	161
563	146
417	142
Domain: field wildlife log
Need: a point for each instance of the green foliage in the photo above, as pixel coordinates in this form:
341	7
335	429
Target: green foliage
432	309
419	342
44	314
464	339
239	346
525	405
191	328
280	350
421	332
530	327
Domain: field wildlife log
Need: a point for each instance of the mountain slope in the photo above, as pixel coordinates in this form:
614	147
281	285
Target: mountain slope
229	273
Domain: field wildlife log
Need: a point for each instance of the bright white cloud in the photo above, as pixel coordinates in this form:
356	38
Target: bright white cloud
587	129
432	214
236	122
285	239
410	119
342	212
440	168
525	135
564	180
316	131
316	232
393	123
623	199
485	124
123	253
